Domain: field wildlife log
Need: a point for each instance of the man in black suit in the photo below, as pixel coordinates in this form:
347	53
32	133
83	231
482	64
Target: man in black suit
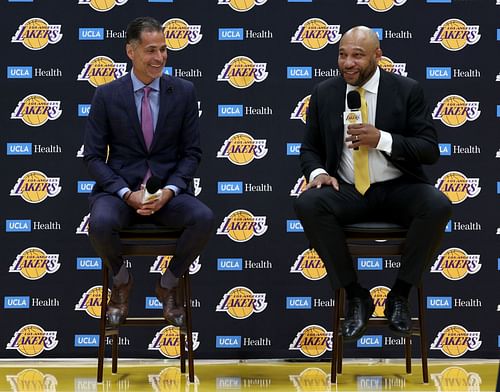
370	171
141	125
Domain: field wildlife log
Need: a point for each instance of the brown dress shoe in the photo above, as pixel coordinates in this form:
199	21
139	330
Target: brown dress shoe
117	310
172	311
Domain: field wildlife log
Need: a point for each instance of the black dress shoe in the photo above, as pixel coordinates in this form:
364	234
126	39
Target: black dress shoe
359	310
117	309
173	312
397	311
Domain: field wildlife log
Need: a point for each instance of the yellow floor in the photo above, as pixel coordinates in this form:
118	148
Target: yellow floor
164	376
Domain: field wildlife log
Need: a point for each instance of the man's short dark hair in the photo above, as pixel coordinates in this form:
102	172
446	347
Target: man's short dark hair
140	24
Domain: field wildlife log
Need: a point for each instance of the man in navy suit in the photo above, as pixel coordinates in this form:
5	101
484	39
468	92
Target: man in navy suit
371	170
141	125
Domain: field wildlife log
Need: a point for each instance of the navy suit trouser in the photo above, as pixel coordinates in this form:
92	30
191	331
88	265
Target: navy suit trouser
109	214
419	206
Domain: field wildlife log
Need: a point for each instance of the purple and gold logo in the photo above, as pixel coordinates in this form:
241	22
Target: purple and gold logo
241	5
101	70
455	34
35	110
33	263
241	149
34	187
102	5
241	302
242	226
241	72
31	340
179	34
316	34
457	187
454	111
37	33
456	264
454	341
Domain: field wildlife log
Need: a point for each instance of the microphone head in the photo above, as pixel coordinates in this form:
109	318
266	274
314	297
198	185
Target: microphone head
353	100
153	184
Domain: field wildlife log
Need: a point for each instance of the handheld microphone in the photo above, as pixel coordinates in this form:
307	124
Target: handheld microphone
152	191
353	116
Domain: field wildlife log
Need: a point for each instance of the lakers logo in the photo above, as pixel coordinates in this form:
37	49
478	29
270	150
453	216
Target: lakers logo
242	225
454	111
162	262
311	379
83	228
315	34
33	263
310	265
454	341
300	111
242	72
452	377
379	296
35	110
179	34
34	187
32	380
390	66
381	5
241	5
312	341
101	70
197	186
167	342
455	34
456	264
457	187
241	149
31	340
36	34
240	303
300	186
102	5
91	301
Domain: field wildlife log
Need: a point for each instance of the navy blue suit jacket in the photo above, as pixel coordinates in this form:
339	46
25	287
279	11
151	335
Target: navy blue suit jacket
401	111
175	151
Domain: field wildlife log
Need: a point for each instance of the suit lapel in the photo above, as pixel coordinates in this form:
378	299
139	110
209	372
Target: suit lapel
127	94
166	91
337	111
385	94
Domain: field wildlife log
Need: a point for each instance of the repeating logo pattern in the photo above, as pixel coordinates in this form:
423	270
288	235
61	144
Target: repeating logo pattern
37	33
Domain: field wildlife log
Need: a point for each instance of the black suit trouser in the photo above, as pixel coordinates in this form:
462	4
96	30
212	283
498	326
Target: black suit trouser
419	206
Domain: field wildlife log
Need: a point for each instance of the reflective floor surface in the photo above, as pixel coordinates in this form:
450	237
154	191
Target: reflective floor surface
231	376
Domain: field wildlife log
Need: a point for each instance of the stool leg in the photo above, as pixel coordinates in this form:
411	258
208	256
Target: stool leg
182	357
102	325
335	348
189	325
408	353
423	335
114	355
340	351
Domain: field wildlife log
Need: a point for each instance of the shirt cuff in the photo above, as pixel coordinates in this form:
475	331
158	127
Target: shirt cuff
385	142
173	188
317	172
122	192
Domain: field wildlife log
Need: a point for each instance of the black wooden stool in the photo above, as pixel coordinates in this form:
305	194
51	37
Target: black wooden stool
372	239
146	240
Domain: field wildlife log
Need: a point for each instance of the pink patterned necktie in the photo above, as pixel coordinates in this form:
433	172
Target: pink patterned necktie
146	124
146	118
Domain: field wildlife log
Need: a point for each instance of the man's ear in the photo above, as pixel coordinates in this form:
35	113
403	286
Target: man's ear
130	51
378	53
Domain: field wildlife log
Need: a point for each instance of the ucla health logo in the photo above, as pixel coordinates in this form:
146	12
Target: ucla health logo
299	187
31	340
91	301
179	34
454	341
83	228
312	341
36	34
241	302
242	225
102	5
454	111
310	265
300	111
241	5
34	187
162	262
242	72
35	110
381	5
457	187
241	149
456	264
315	34
167	342
390	66
101	70
455	34
379	296
33	263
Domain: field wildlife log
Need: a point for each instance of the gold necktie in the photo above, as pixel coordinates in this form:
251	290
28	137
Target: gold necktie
360	156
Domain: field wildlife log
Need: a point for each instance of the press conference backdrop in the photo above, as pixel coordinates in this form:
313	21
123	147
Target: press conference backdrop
258	291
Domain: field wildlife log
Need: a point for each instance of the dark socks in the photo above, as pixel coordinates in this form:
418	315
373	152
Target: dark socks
401	288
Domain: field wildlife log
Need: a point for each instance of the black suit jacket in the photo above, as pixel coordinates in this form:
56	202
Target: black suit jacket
175	151
401	111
